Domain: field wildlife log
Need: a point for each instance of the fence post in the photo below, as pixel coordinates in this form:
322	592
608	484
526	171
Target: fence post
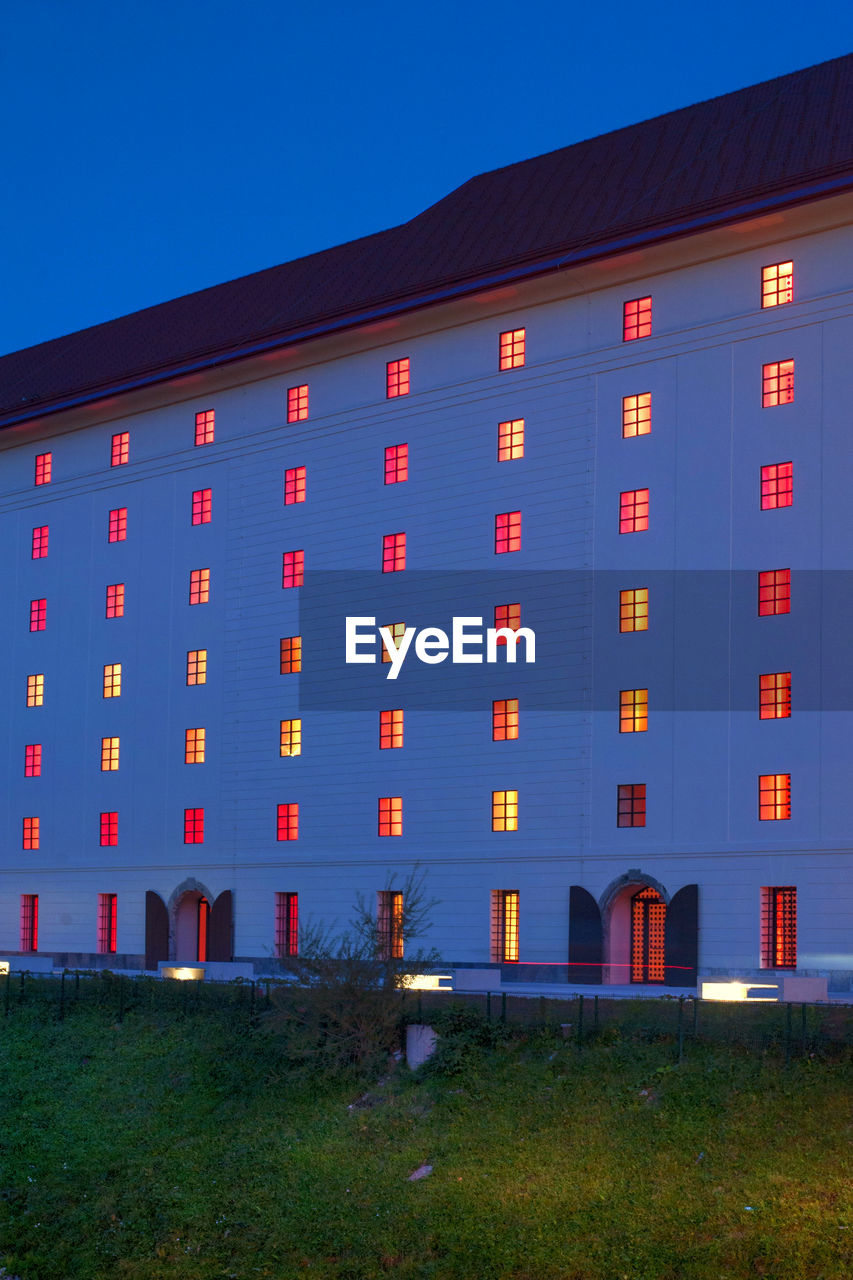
62	995
695	1017
580	1021
6	997
503	1006
680	1028
252	1002
76	984
121	997
488	1006
787	1034
804	1028
595	1013
420	1009
21	988
542	1009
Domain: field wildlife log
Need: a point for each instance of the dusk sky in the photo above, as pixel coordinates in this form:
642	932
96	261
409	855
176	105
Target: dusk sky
151	149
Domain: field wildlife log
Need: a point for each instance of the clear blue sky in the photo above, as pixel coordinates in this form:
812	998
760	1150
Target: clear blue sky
154	147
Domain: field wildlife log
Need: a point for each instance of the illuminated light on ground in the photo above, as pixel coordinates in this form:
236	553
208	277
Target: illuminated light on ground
427	981
738	991
182	974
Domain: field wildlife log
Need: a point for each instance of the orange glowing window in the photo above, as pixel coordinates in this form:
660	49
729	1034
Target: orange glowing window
290	738
31	833
393	552
774	592
29	922
109	754
40	541
511	350
510	440
44	467
112	680
398	630
205	426
32	760
779	927
199	586
109	829
38	615
287	822
777	383
777	284
631	804
202	505
396	463
504	810
115	600
637	415
390	815
507	617
120	450
292	568
297	403
504	926
107	918
193	826
35	691
286	924
194	744
636	319
777	485
397	378
504	719
633	510
633	710
390	729
294	485
118	525
507	532
389	924
290	655
196	666
774	695
634	609
774	797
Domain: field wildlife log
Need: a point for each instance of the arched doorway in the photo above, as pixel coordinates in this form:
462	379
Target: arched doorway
192	920
634	920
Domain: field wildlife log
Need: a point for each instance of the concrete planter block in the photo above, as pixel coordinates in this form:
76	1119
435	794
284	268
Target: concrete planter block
420	1044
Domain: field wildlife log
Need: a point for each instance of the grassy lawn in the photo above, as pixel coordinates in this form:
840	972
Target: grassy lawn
186	1148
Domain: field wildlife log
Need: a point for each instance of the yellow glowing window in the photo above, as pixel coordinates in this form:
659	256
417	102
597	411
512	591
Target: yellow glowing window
636	319
194	742
287	822
390	729
634	609
774	695
507	532
197	666
389	924
777	284
205	425
779	927
633	510
504	719
510	440
777	383
31	833
290	655
199	586
397	378
398	630
115	600
777	486
390	815
511	351
294	485
120	451
44	468
637	415
633	710
109	754
112	680
297	403
504	929
504	810
290	740
774	797
35	691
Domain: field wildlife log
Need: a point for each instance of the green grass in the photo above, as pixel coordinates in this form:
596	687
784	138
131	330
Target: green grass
185	1149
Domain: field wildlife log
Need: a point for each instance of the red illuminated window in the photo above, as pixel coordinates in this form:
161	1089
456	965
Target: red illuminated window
35	690
397	378
507	618
32	760
777	284
779	927
507	532
634	609
292	568
636	319
40	540
287	827
38	615
774	695
393	552
637	415
44	466
389	924
193	826
196	666
504	810
194	745
511	351
774	797
118	525
120	449
633	710
633	510
396	463
109	828
286	924
390	729
631	804
205	425
504	926
398	630
510	440
202	506
31	833
109	754
297	403
290	655
115	600
777	383
774	592
777	485
29	922
390	815
294	485
504	719
107	919
199	586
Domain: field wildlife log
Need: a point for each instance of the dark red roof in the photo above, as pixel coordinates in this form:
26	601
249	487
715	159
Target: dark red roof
779	142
